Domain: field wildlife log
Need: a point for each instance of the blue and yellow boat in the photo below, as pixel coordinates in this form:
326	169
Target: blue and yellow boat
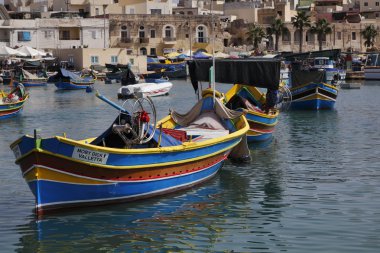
310	91
135	158
262	123
12	103
67	80
260	112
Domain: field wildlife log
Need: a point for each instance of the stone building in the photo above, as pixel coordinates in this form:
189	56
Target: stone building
161	34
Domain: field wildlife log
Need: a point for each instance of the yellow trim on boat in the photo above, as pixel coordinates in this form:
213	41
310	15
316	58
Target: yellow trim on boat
142	166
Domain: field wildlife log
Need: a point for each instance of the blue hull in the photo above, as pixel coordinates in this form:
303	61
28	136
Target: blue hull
10	115
78	194
313	96
315	104
259	138
26	84
70	86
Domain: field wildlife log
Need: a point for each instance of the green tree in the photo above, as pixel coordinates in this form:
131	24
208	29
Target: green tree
276	28
255	35
369	34
301	21
321	28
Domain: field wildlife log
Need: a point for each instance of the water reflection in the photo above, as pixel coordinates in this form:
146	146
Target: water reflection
166	223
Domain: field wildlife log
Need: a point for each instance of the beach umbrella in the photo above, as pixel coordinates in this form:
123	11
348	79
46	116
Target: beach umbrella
221	55
7	51
172	55
202	55
182	56
29	51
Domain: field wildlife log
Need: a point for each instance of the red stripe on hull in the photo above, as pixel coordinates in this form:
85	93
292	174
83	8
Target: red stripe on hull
86	170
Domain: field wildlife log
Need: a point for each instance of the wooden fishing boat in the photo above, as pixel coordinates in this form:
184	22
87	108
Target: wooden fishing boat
262	123
12	103
247	75
67	80
310	92
28	79
135	158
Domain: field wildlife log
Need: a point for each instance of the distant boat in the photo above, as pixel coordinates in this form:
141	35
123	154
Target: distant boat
12	103
372	67
144	90
67	80
333	74
350	85
246	75
6	75
28	79
309	90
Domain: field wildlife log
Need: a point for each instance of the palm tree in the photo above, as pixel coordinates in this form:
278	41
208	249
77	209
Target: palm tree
301	20
277	28
369	34
321	28
255	35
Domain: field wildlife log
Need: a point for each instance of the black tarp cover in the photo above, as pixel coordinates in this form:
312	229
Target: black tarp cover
300	77
263	73
333	54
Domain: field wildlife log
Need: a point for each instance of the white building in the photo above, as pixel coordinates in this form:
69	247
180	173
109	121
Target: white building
55	33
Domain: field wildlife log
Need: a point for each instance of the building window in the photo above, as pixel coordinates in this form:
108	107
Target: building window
377	15
339	35
94	59
143	51
131	11
201	32
377	3
124	34
155	11
132	61
129	51
153	51
48	34
114	59
94	34
365	3
153	33
96	11
24	36
141	32
353	35
187	35
168	32
64	35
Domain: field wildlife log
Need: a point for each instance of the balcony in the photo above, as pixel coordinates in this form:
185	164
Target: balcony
143	40
126	40
202	40
169	40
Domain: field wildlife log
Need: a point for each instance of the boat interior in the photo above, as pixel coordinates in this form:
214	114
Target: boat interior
202	122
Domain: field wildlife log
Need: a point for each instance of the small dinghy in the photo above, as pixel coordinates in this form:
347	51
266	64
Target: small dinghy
144	89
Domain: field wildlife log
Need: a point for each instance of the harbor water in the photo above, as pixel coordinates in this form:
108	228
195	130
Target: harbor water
314	188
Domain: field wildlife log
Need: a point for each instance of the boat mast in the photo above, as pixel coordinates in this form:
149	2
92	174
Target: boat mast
213	53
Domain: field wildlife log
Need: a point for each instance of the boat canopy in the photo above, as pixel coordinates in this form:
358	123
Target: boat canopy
69	74
300	77
263	73
330	53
